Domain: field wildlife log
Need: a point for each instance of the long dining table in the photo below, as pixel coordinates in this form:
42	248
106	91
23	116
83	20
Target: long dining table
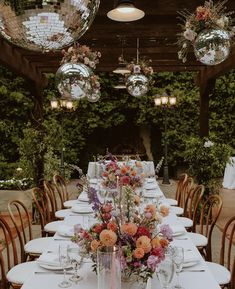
195	277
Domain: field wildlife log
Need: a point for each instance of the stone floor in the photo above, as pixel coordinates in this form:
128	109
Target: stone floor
169	190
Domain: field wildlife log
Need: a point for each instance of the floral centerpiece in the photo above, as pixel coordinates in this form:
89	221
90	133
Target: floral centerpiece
215	22
120	223
116	175
207	159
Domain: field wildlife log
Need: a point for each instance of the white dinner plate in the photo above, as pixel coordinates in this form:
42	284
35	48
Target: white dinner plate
82	209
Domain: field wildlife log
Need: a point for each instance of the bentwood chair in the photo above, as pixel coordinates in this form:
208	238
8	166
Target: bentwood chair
57	212
61	188
13	273
225	276
192	202
41	201
182	179
23	225
209	214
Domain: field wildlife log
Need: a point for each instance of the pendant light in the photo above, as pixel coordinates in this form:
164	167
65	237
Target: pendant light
125	11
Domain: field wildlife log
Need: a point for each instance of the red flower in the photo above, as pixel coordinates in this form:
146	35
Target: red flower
106	216
125	180
98	228
142	231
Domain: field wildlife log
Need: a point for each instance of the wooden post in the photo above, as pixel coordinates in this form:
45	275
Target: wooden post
206	88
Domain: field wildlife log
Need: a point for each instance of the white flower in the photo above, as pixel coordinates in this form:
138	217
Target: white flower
190	34
70	49
180	54
187	25
208	144
220	22
185	45
92	64
137	69
86	60
19	170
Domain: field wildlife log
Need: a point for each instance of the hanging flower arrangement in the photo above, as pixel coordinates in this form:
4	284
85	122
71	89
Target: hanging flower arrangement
209	30
143	66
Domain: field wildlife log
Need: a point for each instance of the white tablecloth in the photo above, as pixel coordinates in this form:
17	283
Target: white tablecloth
95	169
189	280
229	175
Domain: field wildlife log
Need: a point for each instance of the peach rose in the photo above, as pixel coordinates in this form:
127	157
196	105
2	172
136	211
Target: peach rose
155	242
129	229
133	173
145	243
94	245
108	238
164	243
164	210
151	209
112	226
138	253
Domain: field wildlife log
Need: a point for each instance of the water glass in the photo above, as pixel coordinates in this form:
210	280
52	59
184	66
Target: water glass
109	268
165	271
178	258
76	259
64	263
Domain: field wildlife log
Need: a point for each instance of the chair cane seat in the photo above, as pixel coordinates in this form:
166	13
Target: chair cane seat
52	227
220	273
198	239
171	202
37	246
61	214
186	222
21	272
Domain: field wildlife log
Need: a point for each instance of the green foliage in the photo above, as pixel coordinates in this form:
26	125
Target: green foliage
207	160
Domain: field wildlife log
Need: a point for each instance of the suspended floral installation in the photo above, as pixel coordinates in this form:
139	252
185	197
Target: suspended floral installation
140	79
75	78
209	30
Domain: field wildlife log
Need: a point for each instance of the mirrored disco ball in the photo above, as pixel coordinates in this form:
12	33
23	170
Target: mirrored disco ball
94	96
137	85
47	24
212	46
73	80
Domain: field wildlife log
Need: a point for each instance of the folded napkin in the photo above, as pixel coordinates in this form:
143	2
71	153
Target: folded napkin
83	197
66	231
50	259
190	256
176	210
82	208
177	229
150	186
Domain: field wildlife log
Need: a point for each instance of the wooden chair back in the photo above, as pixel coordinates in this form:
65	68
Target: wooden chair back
8	252
61	188
228	245
41	202
50	191
209	214
182	180
192	202
232	285
186	188
22	222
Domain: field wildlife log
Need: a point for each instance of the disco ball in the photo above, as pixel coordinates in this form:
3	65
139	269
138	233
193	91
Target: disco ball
73	80
94	96
137	84
212	46
47	24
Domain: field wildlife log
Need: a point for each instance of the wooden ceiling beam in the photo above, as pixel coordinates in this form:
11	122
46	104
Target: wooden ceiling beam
12	58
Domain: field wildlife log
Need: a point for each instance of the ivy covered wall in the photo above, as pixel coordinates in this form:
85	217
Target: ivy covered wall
79	131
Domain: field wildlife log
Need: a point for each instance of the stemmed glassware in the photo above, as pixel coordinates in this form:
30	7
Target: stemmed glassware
64	262
178	258
76	259
165	271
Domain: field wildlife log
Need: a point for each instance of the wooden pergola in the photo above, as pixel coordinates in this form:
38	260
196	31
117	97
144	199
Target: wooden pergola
157	32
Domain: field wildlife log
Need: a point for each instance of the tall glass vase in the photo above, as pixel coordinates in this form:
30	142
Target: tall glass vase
109	268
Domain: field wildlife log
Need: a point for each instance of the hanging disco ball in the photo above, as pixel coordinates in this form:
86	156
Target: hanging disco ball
94	96
46	24
73	80
212	46
137	84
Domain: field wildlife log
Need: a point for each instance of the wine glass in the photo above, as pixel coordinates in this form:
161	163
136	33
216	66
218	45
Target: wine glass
178	259
76	261
64	262
165	271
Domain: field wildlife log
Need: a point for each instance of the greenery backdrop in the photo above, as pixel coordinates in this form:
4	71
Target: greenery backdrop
73	130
